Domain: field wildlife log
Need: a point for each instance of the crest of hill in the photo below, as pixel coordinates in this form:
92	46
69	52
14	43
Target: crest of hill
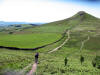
81	16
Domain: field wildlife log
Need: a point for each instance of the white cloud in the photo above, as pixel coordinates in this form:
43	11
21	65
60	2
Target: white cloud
39	10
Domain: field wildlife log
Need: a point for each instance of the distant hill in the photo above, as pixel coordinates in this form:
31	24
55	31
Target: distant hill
81	16
82	25
3	23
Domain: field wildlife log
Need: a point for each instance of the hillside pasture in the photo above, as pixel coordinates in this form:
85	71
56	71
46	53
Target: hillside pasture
28	40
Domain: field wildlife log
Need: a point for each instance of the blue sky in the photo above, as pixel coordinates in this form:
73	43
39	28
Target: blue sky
45	10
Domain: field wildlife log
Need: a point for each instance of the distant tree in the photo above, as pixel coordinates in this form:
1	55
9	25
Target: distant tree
65	61
10	32
81	59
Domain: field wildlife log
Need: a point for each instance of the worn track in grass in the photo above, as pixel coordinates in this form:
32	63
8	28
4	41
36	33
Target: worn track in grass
68	33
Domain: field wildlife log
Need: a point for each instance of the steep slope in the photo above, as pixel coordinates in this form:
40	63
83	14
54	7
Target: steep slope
81	24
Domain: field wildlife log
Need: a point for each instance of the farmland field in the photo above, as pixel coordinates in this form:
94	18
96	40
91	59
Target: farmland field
28	40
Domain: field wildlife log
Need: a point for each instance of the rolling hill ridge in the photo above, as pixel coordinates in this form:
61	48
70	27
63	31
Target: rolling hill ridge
81	23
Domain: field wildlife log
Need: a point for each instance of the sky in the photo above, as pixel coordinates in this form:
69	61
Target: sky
45	10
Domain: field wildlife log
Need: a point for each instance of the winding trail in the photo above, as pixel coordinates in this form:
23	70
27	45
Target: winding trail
33	70
34	66
83	42
81	47
68	32
57	48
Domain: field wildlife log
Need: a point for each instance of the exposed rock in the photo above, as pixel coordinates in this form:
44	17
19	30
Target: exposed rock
81	13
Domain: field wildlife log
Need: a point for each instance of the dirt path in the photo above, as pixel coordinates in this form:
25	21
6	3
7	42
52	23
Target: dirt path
62	43
83	42
22	71
33	70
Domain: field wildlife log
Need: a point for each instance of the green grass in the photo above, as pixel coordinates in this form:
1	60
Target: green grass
17	60
49	28
28	40
53	64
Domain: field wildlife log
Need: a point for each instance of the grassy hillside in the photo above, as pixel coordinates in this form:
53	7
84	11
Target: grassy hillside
82	25
28	40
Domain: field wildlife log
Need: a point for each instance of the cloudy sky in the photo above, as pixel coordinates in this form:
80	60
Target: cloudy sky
45	10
